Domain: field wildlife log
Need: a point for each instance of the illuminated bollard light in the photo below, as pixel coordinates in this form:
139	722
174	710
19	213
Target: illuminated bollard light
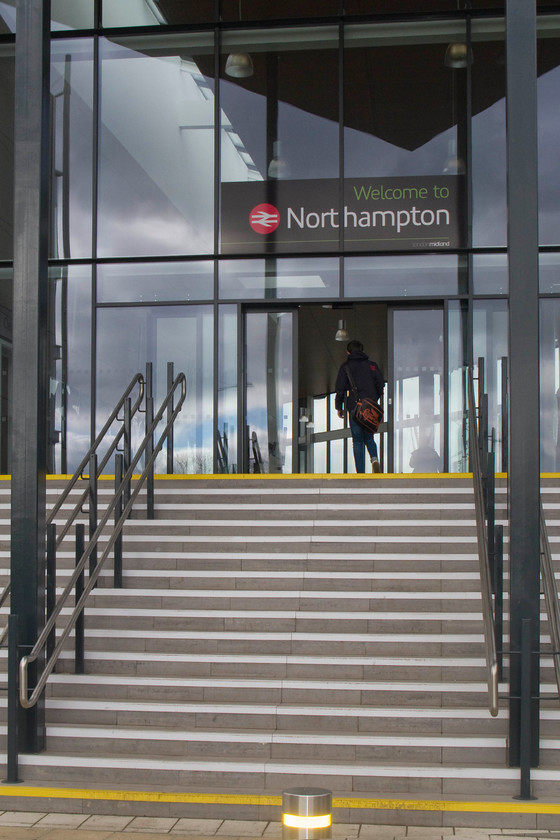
306	814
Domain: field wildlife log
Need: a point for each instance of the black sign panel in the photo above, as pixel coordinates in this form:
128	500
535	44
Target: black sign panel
379	214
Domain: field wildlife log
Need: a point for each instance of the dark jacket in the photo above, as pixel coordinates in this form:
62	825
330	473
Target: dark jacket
367	378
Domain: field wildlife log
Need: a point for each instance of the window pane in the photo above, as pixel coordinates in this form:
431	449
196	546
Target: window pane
128	338
548	100
7	17
156	188
72	154
281	122
144	283
490	274
490	341
457	359
404	166
549	273
71	370
550	384
72	14
489	133
279	131
227	390
386	66
368	277
279	278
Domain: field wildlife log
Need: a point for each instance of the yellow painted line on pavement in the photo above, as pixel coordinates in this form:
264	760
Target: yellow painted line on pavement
509	807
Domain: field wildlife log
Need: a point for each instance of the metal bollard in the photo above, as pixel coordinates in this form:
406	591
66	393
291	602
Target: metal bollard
306	814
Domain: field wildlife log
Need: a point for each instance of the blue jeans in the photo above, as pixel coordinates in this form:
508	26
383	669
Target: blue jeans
362	439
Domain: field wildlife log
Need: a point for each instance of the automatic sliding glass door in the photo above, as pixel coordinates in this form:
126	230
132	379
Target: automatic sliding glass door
418	384
269	391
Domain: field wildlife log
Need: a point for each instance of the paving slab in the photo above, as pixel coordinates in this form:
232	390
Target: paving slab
339	830
61	821
382	832
161	825
196	827
238	828
72	833
100	822
21	818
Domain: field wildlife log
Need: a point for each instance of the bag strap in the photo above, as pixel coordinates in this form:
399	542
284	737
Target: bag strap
355	393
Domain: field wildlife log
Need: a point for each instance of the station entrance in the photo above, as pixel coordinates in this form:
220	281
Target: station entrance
291	359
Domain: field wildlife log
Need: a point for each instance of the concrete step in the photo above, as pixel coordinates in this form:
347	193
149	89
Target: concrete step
279	667
283	717
288	600
263	620
269	642
372	692
266	745
366	778
296	580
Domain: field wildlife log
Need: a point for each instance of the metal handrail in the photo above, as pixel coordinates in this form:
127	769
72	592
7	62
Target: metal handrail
550	590
137	380
484	564
3	598
28	701
257	457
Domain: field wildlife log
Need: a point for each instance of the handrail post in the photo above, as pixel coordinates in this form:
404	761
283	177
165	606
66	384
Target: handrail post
483	445
170	434
79	629
525	726
150	441
127	445
92	504
13	701
484	566
481	384
51	583
499	596
505	414
491	511
117	554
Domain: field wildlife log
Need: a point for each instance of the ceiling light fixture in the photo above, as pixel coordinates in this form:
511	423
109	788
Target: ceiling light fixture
454	165
456	55
278	167
342	333
239	65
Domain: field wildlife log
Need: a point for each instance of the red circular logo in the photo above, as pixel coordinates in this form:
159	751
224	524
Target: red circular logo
264	218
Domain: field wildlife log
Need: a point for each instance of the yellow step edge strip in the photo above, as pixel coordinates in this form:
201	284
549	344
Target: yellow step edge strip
279	476
510	807
259	476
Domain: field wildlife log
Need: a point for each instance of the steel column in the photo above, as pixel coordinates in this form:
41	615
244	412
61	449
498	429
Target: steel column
30	364
524	477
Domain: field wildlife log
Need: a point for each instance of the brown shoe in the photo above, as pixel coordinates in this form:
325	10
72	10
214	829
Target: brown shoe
375	465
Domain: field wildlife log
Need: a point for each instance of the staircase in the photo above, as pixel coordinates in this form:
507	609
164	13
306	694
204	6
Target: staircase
281	631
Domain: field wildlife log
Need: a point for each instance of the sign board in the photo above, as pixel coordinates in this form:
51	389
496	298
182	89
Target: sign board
372	214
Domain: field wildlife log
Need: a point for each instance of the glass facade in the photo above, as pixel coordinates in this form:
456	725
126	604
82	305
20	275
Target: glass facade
232	183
